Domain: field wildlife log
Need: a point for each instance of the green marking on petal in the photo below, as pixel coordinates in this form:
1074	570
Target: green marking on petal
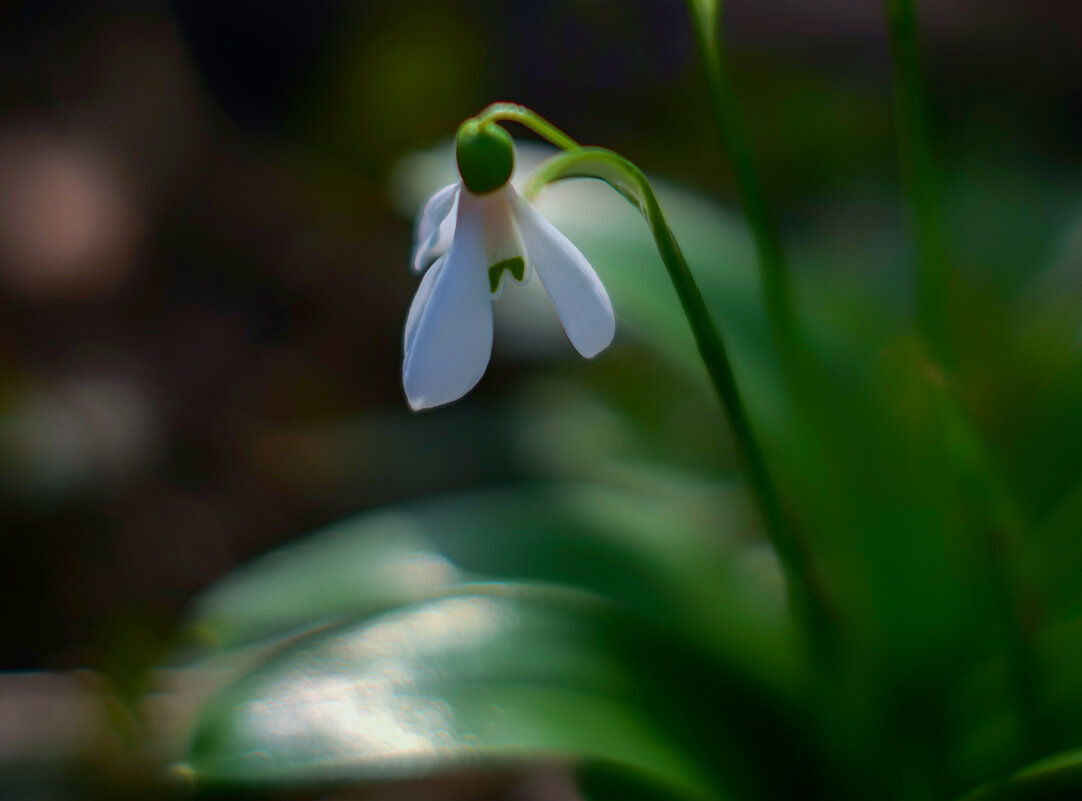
515	266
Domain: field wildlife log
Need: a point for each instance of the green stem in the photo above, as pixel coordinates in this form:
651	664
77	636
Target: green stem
734	143
919	177
512	112
629	181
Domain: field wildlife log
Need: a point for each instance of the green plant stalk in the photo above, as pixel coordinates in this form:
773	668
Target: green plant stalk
629	181
512	112
734	143
918	176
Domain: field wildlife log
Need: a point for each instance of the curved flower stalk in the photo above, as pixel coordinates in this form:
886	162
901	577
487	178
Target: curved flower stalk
470	236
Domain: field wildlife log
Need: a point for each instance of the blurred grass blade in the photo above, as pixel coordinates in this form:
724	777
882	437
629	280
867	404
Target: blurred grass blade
728	120
1050	779
917	164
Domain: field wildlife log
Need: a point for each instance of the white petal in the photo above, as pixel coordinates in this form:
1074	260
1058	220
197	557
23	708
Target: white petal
448	338
420	300
435	210
435	228
581	302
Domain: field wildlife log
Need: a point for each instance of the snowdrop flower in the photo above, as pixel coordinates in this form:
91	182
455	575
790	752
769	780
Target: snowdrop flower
476	233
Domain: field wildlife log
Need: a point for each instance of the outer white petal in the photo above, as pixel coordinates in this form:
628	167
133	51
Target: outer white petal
581	302
435	227
435	210
420	300
449	327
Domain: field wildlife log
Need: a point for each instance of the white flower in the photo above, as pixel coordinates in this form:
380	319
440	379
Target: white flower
475	240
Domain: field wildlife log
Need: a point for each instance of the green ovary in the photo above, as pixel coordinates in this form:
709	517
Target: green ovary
485	154
515	266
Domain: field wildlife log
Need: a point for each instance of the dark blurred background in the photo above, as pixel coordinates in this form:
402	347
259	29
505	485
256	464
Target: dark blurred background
203	279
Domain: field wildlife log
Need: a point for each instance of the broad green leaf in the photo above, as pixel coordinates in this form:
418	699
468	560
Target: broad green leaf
489	677
674	555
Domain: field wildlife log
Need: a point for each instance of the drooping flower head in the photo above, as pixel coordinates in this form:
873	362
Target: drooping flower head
474	234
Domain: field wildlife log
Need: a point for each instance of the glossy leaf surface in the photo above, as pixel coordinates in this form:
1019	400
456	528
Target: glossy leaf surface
490	676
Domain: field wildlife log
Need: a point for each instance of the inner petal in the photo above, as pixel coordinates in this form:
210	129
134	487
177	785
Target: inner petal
504	252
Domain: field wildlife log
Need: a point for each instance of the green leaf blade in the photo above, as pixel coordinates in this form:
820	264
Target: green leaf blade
491	677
